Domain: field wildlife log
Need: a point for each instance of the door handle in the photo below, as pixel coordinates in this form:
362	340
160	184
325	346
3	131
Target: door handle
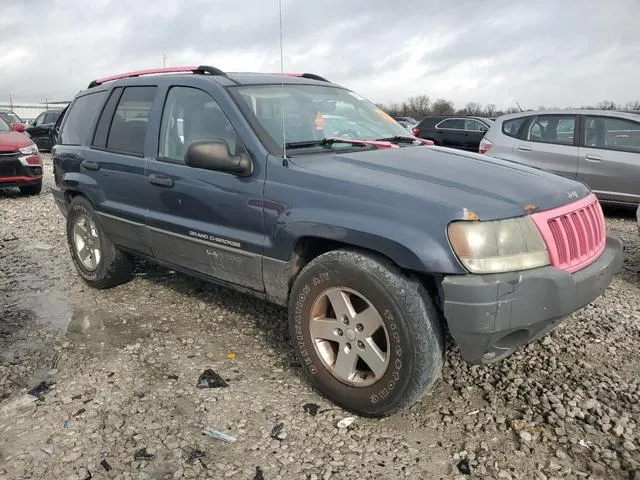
160	180
593	158
90	165
525	148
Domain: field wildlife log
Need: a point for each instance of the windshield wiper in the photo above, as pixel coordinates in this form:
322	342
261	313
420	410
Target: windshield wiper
398	139
327	142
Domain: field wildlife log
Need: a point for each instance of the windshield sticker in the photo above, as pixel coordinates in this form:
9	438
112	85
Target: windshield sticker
385	116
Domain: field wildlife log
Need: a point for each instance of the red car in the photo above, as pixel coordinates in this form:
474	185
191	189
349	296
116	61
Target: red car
20	161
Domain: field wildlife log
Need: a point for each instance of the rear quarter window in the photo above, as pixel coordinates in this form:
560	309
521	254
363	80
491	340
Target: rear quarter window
80	119
513	127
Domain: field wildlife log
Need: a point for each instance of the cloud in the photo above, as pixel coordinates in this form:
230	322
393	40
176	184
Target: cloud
540	53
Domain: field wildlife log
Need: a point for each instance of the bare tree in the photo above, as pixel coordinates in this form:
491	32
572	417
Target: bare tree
632	105
490	110
606	105
418	105
442	106
473	108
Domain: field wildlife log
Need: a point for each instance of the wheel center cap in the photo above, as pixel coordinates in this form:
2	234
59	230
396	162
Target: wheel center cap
351	335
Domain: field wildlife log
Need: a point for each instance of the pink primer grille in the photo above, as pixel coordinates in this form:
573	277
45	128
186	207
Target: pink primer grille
575	233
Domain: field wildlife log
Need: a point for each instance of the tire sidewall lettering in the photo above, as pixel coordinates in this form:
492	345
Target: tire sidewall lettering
396	365
299	335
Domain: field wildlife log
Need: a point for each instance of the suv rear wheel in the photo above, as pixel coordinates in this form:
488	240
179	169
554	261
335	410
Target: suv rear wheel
97	260
34	189
368	336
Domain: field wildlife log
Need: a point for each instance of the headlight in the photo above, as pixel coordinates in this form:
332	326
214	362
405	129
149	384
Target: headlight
498	246
30	150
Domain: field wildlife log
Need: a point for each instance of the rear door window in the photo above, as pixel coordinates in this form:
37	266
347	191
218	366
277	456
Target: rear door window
452	124
129	125
557	129
612	133
51	117
79	121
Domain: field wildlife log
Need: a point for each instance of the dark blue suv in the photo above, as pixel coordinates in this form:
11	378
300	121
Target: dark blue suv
378	244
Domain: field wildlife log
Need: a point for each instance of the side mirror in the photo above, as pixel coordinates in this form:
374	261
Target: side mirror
18	127
215	155
33	123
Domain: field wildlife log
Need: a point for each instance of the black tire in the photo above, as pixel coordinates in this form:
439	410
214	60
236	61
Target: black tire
416	342
114	267
33	189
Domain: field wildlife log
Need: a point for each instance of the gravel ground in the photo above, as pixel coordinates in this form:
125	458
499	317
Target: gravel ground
124	364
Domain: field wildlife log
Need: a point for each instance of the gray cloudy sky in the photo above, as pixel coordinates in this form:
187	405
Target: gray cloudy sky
540	52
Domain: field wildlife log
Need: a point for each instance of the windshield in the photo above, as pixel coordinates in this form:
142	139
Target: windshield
4	126
314	112
11	117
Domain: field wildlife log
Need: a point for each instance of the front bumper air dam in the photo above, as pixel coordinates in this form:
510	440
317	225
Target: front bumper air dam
490	316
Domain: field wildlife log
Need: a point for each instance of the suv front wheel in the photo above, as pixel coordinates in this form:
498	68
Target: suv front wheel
368	336
97	260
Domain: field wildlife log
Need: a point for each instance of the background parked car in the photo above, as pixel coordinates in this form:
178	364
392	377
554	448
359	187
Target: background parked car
407	124
598	147
20	162
42	127
406	120
459	132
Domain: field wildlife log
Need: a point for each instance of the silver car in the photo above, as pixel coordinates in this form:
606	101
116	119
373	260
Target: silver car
600	148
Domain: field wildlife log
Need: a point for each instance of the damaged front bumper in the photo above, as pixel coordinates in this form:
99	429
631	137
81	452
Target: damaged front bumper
490	316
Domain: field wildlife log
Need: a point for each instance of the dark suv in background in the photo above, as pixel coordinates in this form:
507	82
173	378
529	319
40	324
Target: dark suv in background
41	129
377	245
459	132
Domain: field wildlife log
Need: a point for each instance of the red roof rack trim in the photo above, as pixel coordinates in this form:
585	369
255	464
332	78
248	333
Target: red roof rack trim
155	71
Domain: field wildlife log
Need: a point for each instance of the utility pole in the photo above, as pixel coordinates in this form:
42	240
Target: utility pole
10	102
164	60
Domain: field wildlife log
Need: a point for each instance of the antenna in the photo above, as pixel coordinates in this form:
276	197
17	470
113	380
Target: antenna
284	135
519	106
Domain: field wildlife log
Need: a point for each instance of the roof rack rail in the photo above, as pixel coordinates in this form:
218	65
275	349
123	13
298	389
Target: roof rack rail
311	76
202	69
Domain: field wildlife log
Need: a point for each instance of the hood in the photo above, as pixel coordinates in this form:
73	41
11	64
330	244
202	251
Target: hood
11	141
451	179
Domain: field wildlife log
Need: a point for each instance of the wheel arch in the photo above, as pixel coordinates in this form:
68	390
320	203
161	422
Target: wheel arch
280	275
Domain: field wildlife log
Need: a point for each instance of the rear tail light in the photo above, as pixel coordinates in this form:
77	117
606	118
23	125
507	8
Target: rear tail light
415	131
485	145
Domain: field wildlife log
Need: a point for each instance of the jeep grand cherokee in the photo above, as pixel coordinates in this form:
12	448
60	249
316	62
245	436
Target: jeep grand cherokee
376	244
